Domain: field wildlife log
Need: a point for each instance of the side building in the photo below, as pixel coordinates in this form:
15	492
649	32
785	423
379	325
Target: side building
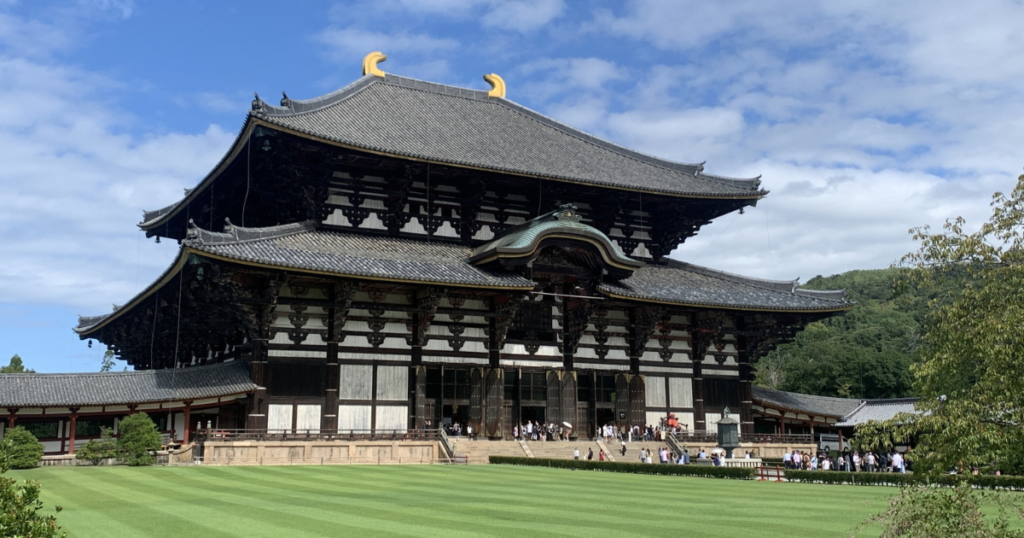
400	254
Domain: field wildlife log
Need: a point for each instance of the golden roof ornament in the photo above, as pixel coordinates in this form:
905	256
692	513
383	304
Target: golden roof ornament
497	85
370	64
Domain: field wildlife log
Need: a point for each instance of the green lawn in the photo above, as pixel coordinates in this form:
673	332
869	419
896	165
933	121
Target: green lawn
486	500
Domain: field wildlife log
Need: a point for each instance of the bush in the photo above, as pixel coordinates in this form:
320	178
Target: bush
20	504
97	450
139	439
25	450
706	471
1015	483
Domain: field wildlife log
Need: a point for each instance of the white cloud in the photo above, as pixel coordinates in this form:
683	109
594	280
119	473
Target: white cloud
352	43
74	189
523	15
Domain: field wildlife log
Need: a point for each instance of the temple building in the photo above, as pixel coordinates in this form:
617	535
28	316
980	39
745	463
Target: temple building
400	254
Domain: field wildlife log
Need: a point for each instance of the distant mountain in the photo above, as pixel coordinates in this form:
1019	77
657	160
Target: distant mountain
865	353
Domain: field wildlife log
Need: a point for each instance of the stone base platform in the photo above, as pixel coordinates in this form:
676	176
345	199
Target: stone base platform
320	452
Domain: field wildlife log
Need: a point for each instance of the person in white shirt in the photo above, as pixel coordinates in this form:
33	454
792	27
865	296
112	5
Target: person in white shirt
787	459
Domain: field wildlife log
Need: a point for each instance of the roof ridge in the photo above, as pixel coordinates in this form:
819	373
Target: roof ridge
117	374
232	234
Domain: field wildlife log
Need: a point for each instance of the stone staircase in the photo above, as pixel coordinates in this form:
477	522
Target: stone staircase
561	450
477	451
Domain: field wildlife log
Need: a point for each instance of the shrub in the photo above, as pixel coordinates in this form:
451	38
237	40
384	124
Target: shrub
25	450
1015	483
97	450
20	504
706	471
139	439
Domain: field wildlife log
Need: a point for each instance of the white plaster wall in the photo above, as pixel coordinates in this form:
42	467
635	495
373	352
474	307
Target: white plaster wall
392	417
356	382
279	418
354	417
307	418
712	420
392	383
680	392
655	391
685	419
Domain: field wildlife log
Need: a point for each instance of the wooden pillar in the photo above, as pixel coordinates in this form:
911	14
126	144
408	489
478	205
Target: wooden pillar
699	422
11	418
840	438
638	400
418	380
188	421
256	418
477	392
71	431
746	397
494	382
329	417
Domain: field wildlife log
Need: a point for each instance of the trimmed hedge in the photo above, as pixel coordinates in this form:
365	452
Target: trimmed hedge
705	471
1015	483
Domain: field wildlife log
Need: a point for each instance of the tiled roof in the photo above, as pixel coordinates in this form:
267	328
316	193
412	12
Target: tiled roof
878	410
412	118
682	283
805	403
115	388
299	246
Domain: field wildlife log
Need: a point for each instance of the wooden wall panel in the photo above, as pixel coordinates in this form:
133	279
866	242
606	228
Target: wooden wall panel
355	382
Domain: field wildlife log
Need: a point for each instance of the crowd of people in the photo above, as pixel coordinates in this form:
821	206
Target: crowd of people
538	431
870	462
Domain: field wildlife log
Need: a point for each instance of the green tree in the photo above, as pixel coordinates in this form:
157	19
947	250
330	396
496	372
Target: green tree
971	349
20	505
25	451
15	367
928	512
139	439
108	361
865	353
97	450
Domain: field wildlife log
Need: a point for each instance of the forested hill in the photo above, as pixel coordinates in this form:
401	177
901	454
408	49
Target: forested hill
865	353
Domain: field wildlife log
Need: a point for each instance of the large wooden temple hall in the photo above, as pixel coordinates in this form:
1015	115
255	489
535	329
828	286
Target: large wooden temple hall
400	254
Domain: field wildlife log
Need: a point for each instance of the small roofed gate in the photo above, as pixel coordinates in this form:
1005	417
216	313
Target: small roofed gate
637	400
568	401
622	417
476	400
495	384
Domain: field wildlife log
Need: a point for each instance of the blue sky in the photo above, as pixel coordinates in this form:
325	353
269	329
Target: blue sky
863	118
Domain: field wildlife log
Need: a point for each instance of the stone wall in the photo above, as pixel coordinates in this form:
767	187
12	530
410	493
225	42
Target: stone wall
324	452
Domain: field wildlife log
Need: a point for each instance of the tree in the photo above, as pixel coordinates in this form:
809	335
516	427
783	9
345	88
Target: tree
20	505
25	451
15	367
139	439
97	450
924	511
108	361
971	349
865	353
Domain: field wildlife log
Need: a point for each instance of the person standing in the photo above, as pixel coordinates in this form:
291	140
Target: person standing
590	454
600	455
576	454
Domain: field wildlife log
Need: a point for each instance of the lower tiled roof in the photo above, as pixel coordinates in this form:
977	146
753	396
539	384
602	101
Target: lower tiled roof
805	403
682	283
119	388
879	410
356	255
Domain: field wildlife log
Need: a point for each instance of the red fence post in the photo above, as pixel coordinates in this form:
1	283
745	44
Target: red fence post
778	474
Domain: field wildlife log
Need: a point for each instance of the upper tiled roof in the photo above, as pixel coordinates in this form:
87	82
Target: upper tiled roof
878	410
682	283
805	403
115	388
422	120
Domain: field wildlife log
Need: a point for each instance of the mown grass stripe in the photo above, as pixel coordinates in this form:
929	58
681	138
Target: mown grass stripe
443	501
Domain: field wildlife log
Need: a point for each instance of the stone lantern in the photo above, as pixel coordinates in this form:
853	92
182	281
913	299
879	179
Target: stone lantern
728	433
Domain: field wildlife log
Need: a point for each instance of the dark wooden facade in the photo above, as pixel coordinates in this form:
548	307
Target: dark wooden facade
335	348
